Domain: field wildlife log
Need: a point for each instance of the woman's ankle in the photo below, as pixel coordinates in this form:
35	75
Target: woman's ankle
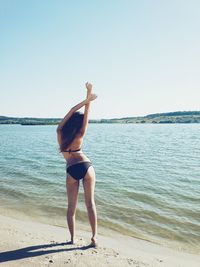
94	238
94	242
72	240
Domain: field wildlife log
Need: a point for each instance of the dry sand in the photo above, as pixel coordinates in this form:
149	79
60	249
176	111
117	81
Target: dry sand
24	243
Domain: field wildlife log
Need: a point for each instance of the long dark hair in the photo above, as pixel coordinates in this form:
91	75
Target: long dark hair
71	129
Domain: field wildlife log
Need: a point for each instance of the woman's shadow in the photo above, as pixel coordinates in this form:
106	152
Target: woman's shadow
34	251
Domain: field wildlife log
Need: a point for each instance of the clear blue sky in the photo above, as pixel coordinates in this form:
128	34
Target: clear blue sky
143	56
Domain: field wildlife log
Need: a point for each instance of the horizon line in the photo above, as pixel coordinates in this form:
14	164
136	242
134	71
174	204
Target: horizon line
106	118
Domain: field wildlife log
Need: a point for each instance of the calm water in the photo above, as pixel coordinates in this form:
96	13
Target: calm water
148	178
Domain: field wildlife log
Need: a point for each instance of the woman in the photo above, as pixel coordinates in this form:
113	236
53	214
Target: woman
70	133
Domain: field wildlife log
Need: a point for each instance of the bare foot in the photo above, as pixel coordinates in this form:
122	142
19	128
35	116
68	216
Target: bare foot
93	243
69	243
72	242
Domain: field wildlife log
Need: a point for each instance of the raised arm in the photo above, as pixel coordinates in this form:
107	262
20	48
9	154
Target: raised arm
87	108
69	114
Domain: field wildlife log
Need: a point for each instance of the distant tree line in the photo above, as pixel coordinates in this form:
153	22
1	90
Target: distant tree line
169	117
176	113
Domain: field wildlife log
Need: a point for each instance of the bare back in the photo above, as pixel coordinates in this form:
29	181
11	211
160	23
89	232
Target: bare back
75	157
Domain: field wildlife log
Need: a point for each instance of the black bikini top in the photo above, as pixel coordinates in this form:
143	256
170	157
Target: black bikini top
70	150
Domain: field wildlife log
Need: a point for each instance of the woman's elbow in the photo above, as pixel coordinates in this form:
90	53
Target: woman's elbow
58	129
82	132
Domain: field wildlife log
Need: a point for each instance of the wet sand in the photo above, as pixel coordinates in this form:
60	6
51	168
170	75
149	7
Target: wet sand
26	243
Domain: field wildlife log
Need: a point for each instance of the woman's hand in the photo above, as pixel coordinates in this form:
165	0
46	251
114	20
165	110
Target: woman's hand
88	87
91	97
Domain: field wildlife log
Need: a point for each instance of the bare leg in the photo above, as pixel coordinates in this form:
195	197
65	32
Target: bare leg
89	186
72	186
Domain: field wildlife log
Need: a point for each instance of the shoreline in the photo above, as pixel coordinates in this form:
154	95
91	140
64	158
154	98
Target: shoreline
104	230
29	243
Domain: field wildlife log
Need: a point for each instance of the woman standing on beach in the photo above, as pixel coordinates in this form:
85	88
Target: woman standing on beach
70	133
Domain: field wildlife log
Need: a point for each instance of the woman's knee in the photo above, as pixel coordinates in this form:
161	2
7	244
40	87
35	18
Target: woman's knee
90	204
71	210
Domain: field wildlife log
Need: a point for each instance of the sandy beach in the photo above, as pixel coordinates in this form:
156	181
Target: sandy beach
25	243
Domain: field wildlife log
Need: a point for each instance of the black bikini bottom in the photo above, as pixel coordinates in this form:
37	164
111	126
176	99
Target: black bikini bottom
78	170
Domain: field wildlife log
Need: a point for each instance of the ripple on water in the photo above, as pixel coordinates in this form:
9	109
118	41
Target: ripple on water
147	178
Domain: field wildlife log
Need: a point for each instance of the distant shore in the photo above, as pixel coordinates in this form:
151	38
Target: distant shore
27	243
169	117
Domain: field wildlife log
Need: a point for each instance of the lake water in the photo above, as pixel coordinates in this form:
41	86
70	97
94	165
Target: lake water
148	179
